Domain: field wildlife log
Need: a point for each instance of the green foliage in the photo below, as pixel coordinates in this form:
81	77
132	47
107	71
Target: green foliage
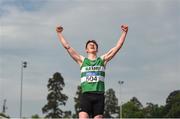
35	116
136	102
111	104
55	98
153	111
67	114
77	102
132	109
172	107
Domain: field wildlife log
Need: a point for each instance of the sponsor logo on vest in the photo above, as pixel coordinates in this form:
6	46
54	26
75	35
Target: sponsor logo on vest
93	68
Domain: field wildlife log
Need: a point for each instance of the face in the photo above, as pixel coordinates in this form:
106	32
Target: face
91	48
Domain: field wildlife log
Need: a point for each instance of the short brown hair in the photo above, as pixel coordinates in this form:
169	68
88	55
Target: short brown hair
92	41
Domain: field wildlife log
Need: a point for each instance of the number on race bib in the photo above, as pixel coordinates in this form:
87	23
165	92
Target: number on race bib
91	78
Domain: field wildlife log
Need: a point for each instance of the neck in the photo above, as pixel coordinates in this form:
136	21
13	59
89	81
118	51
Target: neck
92	56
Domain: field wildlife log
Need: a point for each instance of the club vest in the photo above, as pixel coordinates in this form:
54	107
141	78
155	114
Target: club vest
92	75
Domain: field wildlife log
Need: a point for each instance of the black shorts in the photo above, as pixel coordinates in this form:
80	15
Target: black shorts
92	103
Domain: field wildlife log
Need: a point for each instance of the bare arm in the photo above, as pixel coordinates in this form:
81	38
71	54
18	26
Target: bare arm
112	52
78	58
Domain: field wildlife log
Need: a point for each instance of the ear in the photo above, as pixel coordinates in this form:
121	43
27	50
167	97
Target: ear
86	50
97	50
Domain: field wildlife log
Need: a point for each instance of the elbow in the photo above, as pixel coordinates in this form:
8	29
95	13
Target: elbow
66	46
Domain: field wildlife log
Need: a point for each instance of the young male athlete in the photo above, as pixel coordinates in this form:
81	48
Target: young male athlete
92	73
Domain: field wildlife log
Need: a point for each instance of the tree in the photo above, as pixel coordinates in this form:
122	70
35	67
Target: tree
153	111
137	103
67	114
35	116
111	104
172	107
77	102
133	109
55	97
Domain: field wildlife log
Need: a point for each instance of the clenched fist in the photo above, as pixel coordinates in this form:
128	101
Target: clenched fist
124	27
59	29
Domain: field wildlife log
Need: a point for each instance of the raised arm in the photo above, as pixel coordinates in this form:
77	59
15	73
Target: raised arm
112	52
78	58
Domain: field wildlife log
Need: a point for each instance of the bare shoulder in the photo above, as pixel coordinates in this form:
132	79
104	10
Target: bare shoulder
102	56
82	58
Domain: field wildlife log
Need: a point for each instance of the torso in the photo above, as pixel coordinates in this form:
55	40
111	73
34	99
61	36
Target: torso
92	75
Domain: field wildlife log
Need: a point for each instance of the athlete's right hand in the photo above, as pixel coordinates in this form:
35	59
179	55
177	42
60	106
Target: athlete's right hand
59	29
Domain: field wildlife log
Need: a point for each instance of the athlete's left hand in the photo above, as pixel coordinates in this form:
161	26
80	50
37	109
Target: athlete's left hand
124	27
